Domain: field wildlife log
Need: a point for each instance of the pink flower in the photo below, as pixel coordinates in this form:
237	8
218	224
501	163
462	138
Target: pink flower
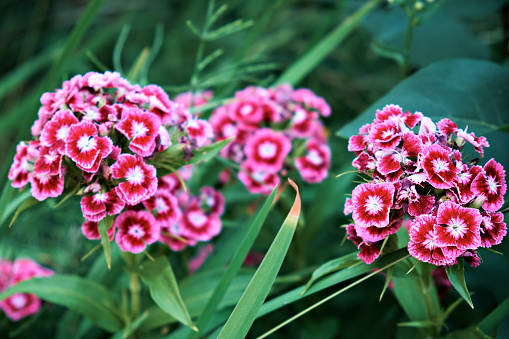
266	150
46	186
357	143
141	181
374	234
314	167
55	131
212	200
458	226
477	142
141	129
439	169
310	99
258	182
385	135
136	230
419	204
198	225
224	127
423	243
198	99
176	244
23	164
165	206
199	130
303	123
493	228
20	305
491	185
95	207
199	259
248	111
372	204
447	127
85	147
90	230
369	251
49	162
158	103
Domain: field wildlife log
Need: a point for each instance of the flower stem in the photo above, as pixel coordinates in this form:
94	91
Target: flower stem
408	43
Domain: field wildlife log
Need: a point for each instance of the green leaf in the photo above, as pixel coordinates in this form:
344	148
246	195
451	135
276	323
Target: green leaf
81	295
246	310
9	203
456	276
494	317
132	326
332	266
104	225
387	281
235	265
474	94
117	49
306	63
158	276
467	333
26	204
208	152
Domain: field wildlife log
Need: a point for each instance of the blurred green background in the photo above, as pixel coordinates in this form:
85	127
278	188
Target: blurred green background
34	34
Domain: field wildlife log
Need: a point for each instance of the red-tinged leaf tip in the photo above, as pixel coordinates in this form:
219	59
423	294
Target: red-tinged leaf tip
295	211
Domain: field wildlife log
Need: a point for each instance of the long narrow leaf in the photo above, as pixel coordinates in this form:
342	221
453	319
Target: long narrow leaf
234	265
306	63
81	295
104	225
246	310
495	317
158	276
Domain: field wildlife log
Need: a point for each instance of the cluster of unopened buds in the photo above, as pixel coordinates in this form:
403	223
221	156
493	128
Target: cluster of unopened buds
102	137
20	305
264	123
416	170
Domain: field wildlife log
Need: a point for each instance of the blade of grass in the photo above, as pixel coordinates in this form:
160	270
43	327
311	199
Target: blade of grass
104	225
306	63
246	310
119	46
494	317
234	266
330	297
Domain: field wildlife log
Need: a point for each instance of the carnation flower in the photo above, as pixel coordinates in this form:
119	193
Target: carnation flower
136	230
417	171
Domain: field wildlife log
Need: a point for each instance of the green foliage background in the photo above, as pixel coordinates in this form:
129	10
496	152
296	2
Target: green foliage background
363	68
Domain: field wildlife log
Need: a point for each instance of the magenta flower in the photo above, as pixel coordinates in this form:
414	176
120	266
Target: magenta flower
46	186
49	162
385	135
458	226
196	224
136	230
440	171
55	131
423	243
491	185
141	181
158	102
212	200
199	130
266	150
493	228
258	182
85	147
372	204
141	129
419	204
165	205
374	234
314	166
94	207
369	251
23	164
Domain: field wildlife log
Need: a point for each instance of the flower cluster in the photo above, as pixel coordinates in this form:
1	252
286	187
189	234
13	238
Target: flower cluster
263	124
100	136
20	305
452	204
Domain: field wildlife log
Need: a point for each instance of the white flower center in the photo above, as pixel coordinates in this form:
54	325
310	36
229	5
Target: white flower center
457	227
136	231
19	300
429	241
49	158
299	116
100	197
161	206
314	158
374	204
267	150
492	184
197	218
91	114
62	132
86	143
139	129
387	134
246	110
258	176
228	130
440	165
135	176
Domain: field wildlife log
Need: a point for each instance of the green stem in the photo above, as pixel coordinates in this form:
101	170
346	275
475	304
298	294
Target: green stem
134	285
432	303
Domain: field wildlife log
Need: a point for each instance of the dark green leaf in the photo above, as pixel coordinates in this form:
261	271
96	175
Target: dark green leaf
495	317
208	152
469	92
456	276
26	204
467	333
104	225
